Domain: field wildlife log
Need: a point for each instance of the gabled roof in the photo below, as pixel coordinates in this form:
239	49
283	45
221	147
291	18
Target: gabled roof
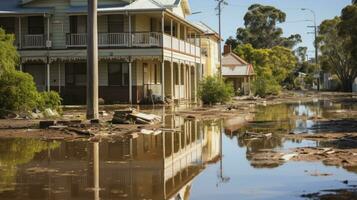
233	65
175	3
206	29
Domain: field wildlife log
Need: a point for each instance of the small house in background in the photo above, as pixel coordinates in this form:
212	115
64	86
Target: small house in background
237	71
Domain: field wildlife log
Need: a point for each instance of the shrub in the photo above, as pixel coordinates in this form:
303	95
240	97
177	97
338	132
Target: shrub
214	90
50	100
17	91
264	86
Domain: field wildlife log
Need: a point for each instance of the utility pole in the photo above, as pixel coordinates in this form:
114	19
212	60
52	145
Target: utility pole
315	44
92	61
219	8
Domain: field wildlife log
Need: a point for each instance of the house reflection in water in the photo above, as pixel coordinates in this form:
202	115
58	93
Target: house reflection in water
147	167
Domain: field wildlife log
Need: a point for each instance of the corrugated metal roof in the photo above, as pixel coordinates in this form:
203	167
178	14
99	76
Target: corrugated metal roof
14	7
235	70
205	28
233	65
135	6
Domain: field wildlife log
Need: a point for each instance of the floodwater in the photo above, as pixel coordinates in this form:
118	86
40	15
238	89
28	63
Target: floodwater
196	160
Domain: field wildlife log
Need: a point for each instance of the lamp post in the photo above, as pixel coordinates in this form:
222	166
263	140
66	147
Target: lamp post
315	44
219	8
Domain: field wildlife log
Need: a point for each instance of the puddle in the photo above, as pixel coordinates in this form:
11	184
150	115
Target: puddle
199	160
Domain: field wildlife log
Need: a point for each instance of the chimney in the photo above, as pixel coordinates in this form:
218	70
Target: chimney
227	49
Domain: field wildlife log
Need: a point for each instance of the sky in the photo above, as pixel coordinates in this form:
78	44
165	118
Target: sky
233	14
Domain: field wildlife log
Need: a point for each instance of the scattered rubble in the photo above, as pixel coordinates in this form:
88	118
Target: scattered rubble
131	116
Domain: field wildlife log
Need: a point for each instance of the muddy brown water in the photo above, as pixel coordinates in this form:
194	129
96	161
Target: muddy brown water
196	160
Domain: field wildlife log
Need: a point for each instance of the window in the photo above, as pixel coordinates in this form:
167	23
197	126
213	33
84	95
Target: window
116	23
76	74
8	24
73	24
118	74
36	25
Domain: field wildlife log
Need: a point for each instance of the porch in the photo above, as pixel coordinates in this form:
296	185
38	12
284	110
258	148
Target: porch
120	81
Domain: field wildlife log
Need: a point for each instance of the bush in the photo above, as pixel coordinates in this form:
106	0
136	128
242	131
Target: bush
50	100
214	90
264	86
17	92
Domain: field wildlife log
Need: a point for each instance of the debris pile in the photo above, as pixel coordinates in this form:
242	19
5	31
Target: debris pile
133	117
329	156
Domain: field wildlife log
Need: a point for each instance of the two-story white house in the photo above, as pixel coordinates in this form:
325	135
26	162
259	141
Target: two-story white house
146	45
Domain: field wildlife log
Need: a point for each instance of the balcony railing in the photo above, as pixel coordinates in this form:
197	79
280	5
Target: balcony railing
147	39
33	41
138	39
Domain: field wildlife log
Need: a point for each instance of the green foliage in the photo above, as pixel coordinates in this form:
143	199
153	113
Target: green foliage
261	28
337	51
264	86
50	100
8	54
17	92
214	90
348	28
272	66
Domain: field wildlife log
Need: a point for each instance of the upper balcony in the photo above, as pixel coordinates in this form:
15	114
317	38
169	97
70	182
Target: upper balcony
140	39
114	31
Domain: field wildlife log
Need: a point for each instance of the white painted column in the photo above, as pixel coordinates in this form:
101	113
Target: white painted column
190	83
179	81
130	83
171	63
59	78
20	34
195	81
48	58
130	63
48	79
163	60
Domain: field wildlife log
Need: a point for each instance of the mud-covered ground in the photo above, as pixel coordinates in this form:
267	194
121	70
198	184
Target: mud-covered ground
243	107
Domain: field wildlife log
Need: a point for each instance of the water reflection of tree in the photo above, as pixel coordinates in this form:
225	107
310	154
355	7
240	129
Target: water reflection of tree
14	152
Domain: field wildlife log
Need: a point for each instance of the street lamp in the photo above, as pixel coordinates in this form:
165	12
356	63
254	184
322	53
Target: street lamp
219	8
315	43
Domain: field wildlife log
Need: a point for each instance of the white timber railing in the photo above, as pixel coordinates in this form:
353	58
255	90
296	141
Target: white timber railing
150	39
138	39
188	47
145	39
113	39
33	41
